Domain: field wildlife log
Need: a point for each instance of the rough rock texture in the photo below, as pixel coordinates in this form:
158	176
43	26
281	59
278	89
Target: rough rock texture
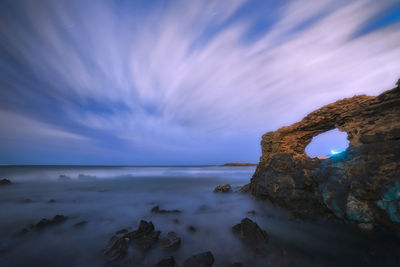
167	262
226	188
171	242
361	185
249	232
143	239
5	182
205	259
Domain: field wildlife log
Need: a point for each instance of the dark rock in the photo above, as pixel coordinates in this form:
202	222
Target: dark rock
44	223
251	212
237	264
64	177
157	210
5	182
142	240
171	242
244	189
80	224
223	188
259	252
168	262
191	228
360	185
52	201
176	221
205	259
250	232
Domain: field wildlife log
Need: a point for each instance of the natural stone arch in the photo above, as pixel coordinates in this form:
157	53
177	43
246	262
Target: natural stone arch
352	186
327	144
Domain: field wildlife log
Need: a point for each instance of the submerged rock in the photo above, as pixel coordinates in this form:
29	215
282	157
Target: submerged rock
157	209
44	223
86	177
80	224
226	188
5	182
26	201
359	185
205	259
250	233
191	228
141	240
167	262
64	177
171	242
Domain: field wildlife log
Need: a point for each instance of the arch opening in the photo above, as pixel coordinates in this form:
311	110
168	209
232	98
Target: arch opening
328	144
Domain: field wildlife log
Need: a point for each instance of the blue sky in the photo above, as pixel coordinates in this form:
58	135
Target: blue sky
180	82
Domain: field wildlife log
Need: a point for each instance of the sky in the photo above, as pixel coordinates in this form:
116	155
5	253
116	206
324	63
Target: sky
152	82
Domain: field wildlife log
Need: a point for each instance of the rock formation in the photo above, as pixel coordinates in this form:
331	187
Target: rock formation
361	184
226	188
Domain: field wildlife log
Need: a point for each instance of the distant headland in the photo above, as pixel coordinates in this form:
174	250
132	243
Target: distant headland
235	164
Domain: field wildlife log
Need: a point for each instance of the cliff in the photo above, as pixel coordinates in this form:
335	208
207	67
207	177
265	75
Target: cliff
360	185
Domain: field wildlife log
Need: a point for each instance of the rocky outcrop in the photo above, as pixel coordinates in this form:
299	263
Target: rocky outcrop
250	233
5	182
226	188
157	210
205	259
361	185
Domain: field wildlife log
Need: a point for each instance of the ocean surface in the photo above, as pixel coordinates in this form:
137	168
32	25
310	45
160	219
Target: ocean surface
112	198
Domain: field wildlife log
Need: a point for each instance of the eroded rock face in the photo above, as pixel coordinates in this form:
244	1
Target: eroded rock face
361	185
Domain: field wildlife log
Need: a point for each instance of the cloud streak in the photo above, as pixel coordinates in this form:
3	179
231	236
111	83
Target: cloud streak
185	77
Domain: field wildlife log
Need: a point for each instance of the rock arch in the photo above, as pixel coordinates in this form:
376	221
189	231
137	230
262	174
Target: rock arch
352	186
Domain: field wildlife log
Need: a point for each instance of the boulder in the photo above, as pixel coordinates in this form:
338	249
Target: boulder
171	242
250	233
141	240
205	259
5	182
360	185
226	188
157	210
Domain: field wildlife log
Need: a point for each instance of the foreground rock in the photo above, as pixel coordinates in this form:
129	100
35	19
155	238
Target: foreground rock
5	182
223	188
45	223
360	185
141	240
171	242
250	233
168	262
157	209
205	259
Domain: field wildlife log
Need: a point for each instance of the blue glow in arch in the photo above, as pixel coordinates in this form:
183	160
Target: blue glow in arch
329	143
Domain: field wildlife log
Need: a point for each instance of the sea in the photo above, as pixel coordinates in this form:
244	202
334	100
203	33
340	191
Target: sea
111	198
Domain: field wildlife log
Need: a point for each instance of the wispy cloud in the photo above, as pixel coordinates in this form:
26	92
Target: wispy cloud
185	75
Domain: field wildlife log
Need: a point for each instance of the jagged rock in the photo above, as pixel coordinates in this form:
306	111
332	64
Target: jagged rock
157	210
64	177
205	259
251	212
223	188
244	189
171	242
5	182
44	223
143	239
168	262
250	233
360	185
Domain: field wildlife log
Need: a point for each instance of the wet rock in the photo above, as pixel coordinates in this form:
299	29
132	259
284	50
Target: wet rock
5	182
176	221
359	185
205	259
157	210
52	201
168	262
250	233
191	228
226	188
259	252
80	224
44	223
141	240
171	242
244	189
64	177
237	264
26	201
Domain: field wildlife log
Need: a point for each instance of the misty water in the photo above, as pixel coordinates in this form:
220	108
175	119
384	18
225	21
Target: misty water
112	198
